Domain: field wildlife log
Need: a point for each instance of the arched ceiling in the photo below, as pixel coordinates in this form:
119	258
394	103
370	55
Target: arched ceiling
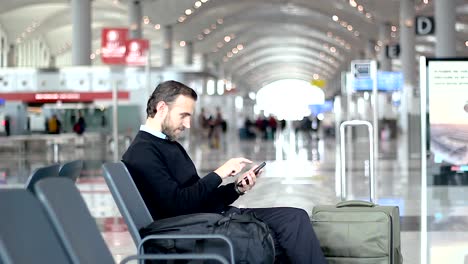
269	39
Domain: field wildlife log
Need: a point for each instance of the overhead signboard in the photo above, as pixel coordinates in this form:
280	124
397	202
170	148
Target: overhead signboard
425	25
114	45
392	51
386	81
63	96
361	69
137	52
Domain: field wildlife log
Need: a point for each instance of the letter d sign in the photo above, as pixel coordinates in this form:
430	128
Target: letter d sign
425	25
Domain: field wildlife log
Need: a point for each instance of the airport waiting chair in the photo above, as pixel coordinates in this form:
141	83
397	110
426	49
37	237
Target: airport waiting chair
42	173
77	229
26	234
134	210
71	170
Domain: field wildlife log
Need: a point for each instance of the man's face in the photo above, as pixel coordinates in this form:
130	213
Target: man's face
178	117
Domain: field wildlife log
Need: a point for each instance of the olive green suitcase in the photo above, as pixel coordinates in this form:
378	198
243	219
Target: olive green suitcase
358	232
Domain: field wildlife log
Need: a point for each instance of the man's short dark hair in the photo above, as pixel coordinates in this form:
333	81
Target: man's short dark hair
168	91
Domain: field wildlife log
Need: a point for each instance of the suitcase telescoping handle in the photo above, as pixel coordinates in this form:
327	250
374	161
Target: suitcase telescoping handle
353	123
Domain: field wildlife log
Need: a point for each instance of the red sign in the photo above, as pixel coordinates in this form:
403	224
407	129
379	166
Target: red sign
65	97
113	45
137	52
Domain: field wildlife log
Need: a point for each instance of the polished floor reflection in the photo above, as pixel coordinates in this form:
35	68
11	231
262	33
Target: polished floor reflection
301	171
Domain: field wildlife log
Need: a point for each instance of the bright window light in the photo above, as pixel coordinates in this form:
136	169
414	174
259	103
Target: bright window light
210	88
239	103
289	99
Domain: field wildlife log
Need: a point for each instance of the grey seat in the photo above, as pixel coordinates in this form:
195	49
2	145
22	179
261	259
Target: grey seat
77	229
42	173
134	210
73	222
26	234
71	170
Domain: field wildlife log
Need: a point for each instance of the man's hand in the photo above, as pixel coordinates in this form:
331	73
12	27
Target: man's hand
250	176
232	167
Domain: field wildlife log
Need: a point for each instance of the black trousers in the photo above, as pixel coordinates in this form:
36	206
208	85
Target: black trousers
295	239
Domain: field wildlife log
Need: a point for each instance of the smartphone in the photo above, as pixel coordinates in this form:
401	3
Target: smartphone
256	171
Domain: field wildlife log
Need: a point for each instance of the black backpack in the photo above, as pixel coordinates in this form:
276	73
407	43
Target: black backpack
251	237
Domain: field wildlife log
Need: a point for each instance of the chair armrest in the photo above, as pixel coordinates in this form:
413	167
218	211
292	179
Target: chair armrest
219	258
179	236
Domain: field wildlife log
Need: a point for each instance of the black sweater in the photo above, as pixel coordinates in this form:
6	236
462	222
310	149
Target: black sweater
168	181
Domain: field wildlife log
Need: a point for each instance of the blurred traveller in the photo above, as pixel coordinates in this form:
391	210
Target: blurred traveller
170	186
54	125
80	125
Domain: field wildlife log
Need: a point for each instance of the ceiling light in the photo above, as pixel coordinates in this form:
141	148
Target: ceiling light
344	23
204	1
466	43
408	23
181	19
188	12
368	15
220	21
360	8
335	18
235	50
229	54
206	31
350	27
240	47
393	28
200	36
227	38
213	26
333	49
197	4
316	76
92	56
352	3
426	2
356	33
182	43
157	26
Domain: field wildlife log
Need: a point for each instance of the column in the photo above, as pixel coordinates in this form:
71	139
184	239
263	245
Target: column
409	112
384	37
408	61
445	28
370	49
12	56
189	53
166	57
204	62
81	28
134	18
362	55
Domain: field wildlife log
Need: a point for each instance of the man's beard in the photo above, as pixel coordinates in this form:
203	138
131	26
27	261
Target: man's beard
168	130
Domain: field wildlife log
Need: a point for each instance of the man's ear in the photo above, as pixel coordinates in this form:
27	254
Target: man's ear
161	108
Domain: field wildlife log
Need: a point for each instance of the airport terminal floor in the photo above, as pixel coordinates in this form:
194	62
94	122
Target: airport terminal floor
300	172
